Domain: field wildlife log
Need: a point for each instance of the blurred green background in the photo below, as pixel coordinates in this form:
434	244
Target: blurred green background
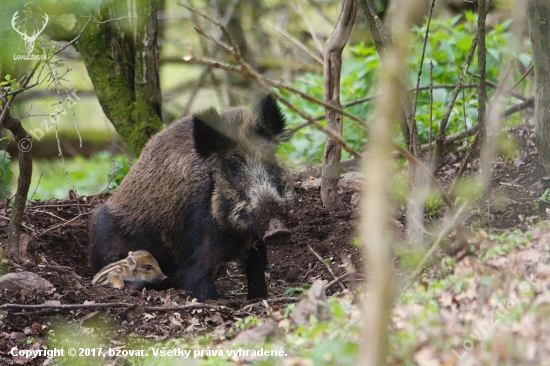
280	38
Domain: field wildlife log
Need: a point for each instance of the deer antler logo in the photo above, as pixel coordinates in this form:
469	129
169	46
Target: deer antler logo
29	40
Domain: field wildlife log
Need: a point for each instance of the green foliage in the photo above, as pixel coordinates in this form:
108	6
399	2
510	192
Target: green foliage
294	291
447	48
434	205
121	167
5	174
447	265
358	79
9	84
87	175
504	243
240	325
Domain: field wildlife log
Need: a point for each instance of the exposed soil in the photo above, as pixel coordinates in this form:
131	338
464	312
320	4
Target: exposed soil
58	252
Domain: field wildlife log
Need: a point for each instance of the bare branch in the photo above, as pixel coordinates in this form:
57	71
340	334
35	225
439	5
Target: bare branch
322	261
440	138
422	58
296	41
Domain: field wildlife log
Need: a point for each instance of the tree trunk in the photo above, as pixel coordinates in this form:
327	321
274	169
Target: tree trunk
119	48
332	71
538	14
23	183
382	41
482	69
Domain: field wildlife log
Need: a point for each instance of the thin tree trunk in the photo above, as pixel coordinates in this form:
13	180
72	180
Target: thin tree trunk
382	41
121	55
23	183
538	15
482	68
332	72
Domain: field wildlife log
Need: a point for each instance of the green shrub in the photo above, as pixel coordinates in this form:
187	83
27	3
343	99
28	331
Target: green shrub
447	48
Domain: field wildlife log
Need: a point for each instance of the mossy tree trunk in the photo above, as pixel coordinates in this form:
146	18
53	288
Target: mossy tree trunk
119	47
539	30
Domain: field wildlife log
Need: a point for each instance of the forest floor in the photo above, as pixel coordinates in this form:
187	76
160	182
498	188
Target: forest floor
57	251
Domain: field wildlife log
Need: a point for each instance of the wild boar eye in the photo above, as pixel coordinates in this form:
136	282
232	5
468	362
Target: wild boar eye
235	173
147	267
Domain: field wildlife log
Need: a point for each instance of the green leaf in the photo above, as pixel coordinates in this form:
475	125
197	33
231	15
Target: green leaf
525	59
5	174
67	21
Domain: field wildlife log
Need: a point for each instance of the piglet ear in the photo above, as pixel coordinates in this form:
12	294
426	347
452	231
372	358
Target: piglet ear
131	262
271	122
208	133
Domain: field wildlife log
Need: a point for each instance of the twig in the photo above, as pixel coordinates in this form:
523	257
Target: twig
114	174
438	151
308	272
465	161
56	85
430	134
113	19
65	205
25	226
191	306
495	85
528	103
478	136
230	8
48	213
246	70
261	81
106	305
280	300
326	265
14	93
422	60
64	223
297	42
469	149
310	28
520	79
338	280
35	188
301	125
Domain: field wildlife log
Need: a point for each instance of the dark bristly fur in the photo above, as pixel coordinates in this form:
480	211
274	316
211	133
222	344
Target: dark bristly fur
202	193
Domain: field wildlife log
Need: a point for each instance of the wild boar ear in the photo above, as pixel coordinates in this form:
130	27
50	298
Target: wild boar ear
208	133
131	262
271	121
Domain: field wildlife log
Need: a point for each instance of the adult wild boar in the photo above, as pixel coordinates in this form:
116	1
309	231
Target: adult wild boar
205	190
